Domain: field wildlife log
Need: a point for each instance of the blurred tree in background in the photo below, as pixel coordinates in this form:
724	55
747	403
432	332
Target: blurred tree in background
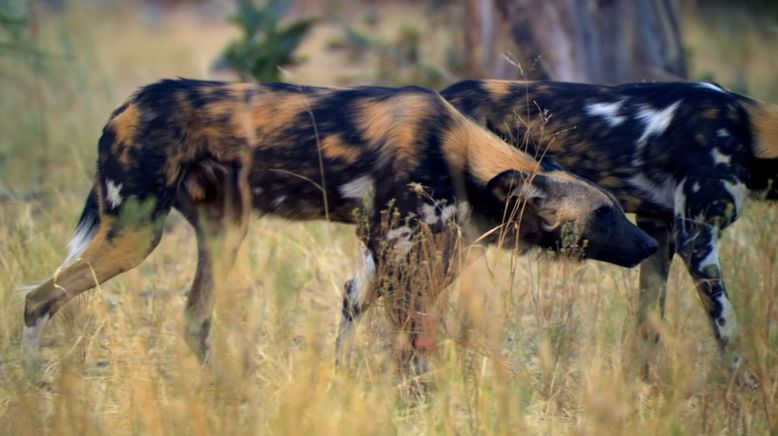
266	44
598	41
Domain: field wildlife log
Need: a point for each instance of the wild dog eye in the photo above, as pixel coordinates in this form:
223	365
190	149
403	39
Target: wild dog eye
604	211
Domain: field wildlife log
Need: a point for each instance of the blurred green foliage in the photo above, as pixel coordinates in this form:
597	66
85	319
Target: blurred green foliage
266	44
399	60
13	26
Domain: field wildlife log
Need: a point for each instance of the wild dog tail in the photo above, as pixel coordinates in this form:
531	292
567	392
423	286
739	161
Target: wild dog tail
86	228
764	127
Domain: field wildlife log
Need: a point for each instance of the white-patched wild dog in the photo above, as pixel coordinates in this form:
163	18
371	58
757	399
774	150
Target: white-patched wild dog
682	156
403	159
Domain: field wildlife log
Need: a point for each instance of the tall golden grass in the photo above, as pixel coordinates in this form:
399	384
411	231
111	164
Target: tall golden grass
526	345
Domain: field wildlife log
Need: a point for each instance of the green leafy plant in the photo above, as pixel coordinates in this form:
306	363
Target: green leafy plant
13	38
266	44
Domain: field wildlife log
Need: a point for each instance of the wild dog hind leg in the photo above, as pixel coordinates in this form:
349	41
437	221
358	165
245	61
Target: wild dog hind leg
653	275
115	237
214	205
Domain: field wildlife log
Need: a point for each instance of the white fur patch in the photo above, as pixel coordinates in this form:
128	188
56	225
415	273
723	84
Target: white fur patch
278	201
713	255
448	213
358	292
257	191
31	336
719	157
609	111
81	239
729	330
739	192
711	86
463	211
438	213
679	203
660	193
113	192
363	280
398	233
696	187
430	214
401	240
358	188
723	133
528	191
656	121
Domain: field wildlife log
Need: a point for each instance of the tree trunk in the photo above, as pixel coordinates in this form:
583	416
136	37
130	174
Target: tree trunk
479	36
605	41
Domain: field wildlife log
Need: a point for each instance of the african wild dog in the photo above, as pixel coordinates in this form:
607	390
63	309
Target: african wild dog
215	151
682	156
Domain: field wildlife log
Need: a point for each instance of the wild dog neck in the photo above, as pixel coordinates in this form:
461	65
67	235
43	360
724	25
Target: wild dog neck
482	154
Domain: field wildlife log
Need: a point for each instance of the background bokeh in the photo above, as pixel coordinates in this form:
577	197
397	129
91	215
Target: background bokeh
528	345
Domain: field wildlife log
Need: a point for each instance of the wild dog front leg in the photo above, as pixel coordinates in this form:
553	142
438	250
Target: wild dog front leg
653	276
703	208
417	278
389	249
359	293
698	246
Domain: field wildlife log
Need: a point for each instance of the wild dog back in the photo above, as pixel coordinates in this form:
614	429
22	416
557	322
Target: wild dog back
305	146
636	140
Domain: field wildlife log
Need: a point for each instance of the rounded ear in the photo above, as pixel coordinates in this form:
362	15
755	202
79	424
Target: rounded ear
524	186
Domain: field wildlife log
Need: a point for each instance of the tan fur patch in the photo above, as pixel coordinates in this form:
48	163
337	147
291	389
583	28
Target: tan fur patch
124	124
272	113
710	113
239	90
484	154
100	261
610	182
539	88
764	122
499	88
573	207
395	121
333	147
563	175
195	190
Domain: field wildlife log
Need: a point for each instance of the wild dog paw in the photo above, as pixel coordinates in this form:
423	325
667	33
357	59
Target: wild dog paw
743	375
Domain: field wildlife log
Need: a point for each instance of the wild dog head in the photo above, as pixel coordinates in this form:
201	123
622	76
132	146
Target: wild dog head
557	211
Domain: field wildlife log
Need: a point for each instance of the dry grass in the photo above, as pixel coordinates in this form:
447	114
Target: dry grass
527	345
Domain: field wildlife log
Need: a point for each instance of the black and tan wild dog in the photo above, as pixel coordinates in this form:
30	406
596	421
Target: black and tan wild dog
216	151
682	156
